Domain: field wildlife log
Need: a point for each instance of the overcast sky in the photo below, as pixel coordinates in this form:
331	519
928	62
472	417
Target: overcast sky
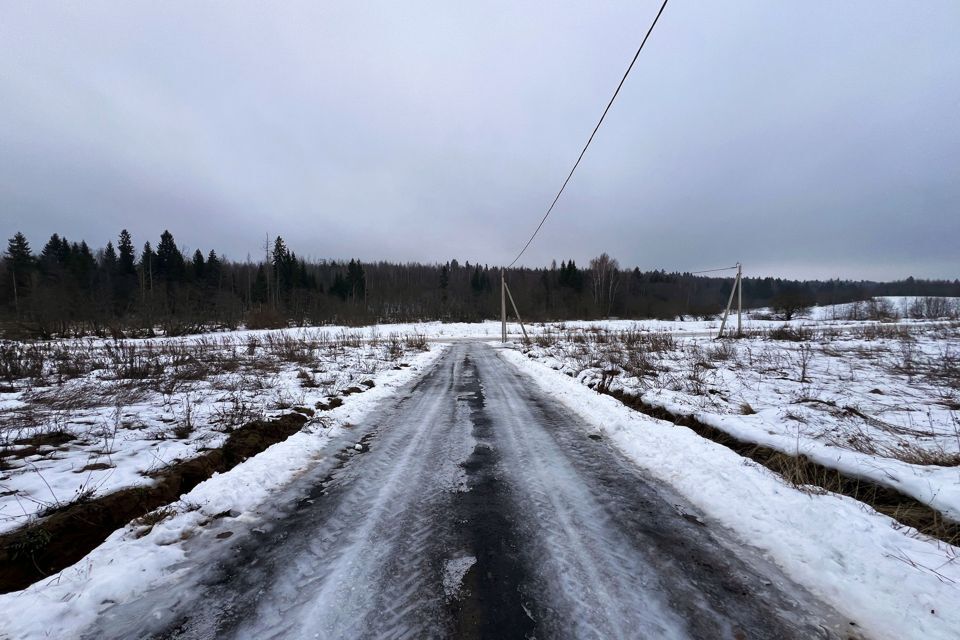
803	138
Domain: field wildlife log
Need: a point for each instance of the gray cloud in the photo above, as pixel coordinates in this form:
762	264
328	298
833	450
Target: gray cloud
804	139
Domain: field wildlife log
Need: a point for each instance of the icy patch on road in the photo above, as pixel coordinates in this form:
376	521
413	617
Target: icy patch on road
453	572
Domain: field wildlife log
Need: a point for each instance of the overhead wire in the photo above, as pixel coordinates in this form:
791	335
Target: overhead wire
595	129
693	273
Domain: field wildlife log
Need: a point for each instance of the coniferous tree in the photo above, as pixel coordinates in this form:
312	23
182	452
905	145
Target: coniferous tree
108	261
20	264
55	254
213	269
126	256
260	293
356	282
199	266
170	263
444	281
82	265
148	265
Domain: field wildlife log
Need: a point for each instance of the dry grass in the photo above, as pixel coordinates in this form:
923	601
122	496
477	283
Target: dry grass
811	477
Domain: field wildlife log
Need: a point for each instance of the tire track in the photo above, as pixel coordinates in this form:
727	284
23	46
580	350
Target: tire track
480	511
360	555
616	557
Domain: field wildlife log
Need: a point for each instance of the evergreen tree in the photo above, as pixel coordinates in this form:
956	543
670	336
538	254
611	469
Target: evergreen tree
259	293
170	263
476	281
213	269
356	280
18	255
148	265
82	265
339	288
108	260
55	253
199	266
20	263
444	281
126	256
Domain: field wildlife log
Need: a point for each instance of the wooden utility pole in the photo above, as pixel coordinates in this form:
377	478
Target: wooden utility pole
739	300
513	304
16	300
734	290
503	307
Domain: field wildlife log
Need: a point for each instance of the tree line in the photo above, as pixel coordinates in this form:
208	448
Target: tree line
69	289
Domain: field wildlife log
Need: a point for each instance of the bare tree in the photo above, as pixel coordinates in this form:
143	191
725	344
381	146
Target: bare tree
605	280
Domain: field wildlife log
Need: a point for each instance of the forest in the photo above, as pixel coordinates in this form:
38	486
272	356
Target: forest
69	289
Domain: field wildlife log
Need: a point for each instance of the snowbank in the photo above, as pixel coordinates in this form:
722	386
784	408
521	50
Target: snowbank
893	585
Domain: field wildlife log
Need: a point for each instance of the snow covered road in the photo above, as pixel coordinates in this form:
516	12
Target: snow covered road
478	508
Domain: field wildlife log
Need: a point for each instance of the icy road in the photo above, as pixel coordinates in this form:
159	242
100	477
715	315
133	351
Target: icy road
478	508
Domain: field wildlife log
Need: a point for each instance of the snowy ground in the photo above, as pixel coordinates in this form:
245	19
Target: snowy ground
893	582
138	557
479	494
877	403
88	417
870	398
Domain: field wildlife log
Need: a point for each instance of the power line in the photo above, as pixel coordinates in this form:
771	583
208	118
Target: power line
577	163
693	273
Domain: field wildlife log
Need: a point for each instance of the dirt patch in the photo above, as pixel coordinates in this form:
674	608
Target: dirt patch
31	446
804	473
332	404
96	466
52	544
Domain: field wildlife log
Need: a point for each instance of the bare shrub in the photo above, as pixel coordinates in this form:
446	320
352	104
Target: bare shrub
545	339
881	332
417	342
723	351
289	348
348	339
804	358
790	334
183	426
19	360
697	379
265	318
945	367
235	411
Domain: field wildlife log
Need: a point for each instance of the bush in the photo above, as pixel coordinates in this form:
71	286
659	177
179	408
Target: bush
265	319
791	334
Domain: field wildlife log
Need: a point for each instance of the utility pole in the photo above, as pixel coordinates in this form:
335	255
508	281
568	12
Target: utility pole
739	300
16	300
735	290
503	307
513	304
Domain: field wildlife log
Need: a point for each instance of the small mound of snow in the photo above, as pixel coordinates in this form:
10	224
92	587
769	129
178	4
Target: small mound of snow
453	572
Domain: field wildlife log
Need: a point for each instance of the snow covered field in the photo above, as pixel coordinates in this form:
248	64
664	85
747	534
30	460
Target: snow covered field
877	403
876	400
140	557
83	418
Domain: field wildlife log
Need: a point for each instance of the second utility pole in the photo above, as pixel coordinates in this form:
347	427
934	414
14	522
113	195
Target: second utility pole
503	308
